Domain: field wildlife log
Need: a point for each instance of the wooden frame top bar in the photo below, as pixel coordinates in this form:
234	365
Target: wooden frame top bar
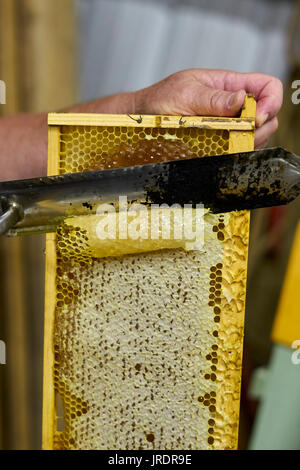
133	120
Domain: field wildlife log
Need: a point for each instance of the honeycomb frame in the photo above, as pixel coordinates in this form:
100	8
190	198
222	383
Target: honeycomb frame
214	401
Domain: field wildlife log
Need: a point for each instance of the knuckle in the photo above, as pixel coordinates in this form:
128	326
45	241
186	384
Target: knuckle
216	99
278	83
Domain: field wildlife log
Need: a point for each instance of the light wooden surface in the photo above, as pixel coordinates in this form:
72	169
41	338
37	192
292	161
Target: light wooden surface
245	123
50	302
239	142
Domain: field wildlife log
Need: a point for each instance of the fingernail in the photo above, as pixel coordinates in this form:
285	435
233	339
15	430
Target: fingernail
234	99
262	119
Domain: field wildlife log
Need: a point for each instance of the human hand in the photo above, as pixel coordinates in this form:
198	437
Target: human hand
215	93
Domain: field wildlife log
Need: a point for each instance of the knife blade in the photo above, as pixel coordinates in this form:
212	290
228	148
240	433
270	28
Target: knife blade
223	183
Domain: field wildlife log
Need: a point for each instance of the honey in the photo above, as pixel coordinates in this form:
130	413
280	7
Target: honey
92	148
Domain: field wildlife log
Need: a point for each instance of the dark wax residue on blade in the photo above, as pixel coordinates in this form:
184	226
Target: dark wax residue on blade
226	183
223	183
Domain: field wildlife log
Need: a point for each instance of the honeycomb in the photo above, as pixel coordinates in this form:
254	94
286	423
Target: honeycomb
100	148
146	345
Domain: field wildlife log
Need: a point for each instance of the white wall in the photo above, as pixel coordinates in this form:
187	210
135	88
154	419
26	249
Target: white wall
129	44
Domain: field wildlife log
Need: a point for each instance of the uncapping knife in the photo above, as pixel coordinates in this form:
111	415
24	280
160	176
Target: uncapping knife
223	183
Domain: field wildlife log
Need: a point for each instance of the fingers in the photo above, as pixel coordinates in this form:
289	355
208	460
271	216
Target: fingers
269	101
263	134
209	101
267	90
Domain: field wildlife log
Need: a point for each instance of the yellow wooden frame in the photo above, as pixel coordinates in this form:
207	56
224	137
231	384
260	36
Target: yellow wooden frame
241	138
244	123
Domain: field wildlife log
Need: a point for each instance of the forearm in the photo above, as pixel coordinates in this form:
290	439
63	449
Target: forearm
23	146
23	138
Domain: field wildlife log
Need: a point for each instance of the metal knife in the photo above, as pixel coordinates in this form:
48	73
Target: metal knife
223	183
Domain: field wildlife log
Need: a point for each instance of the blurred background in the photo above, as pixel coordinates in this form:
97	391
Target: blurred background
54	53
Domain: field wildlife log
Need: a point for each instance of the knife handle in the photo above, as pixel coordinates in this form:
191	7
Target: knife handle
10	217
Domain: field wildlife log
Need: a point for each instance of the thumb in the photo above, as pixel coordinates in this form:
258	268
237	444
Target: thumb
214	102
